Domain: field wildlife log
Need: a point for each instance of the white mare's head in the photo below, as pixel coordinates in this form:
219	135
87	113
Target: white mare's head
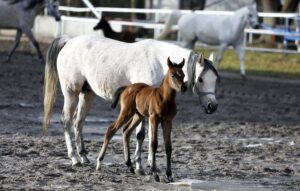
253	16
203	83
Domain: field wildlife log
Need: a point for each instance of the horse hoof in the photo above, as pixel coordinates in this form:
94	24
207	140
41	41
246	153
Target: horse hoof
98	167
168	179
84	160
139	171
243	76
76	163
156	178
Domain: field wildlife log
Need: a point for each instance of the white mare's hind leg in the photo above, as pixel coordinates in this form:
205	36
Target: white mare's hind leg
140	136
220	54
241	53
86	98
70	103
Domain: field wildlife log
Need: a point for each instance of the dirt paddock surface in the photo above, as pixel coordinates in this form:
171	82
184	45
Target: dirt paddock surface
251	143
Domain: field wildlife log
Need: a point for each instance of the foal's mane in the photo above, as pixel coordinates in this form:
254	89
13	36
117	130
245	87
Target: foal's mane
31	3
191	67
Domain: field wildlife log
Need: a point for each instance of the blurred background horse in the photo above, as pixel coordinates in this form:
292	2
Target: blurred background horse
125	36
20	15
223	30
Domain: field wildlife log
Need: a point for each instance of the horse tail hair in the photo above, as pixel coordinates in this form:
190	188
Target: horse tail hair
51	79
116	97
171	20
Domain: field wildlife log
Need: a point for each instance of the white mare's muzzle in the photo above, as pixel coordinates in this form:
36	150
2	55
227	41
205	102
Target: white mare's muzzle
208	102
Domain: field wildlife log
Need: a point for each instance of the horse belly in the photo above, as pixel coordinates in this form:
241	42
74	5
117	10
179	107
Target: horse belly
8	16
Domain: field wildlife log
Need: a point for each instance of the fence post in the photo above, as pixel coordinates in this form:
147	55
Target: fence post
156	31
93	9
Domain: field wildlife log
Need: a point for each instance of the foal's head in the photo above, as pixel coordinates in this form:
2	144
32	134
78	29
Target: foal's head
175	76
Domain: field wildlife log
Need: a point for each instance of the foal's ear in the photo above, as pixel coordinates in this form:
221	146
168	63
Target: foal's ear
170	64
181	64
201	58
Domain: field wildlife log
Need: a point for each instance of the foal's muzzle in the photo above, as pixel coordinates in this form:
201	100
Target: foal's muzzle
211	108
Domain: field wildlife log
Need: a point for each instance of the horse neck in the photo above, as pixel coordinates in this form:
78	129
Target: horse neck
108	32
167	92
239	20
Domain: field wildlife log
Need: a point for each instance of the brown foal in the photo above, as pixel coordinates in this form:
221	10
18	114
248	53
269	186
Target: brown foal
140	100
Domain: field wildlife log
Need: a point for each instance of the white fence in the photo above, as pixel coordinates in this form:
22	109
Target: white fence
157	13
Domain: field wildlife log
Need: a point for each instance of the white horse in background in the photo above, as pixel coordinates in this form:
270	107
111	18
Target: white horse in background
90	65
223	30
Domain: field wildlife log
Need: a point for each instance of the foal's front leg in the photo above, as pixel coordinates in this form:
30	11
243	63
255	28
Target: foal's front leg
153	146
167	127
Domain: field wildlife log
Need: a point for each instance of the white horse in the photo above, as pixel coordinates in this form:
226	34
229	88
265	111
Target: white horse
90	65
223	30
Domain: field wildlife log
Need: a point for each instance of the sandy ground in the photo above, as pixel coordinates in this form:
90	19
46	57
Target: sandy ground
251	143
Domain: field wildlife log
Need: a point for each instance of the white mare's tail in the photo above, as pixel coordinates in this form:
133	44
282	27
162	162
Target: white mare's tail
51	78
171	20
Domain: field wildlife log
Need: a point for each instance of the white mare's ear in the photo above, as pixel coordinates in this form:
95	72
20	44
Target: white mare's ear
211	57
201	58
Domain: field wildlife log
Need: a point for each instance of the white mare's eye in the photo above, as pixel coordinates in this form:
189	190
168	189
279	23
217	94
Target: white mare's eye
200	80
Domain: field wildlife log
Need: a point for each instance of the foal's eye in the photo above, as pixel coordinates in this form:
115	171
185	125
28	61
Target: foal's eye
200	80
173	76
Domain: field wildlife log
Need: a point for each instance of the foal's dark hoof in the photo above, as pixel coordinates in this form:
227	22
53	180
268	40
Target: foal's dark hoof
139	172
168	179
129	166
131	169
156	177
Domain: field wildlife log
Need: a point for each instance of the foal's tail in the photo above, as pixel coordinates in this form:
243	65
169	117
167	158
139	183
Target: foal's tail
171	20
51	78
116	97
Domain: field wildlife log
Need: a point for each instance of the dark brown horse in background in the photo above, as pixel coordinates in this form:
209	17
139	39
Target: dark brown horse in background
139	101
125	36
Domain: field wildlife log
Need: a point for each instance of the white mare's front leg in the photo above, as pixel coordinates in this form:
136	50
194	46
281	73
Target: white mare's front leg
140	136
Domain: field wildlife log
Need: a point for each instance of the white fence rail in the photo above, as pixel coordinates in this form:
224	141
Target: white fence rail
156	26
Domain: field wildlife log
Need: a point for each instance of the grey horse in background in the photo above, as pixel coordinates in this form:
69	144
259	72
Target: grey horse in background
222	30
20	15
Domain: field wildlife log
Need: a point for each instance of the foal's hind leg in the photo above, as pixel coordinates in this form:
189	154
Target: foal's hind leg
122	119
85	100
140	136
127	130
70	103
